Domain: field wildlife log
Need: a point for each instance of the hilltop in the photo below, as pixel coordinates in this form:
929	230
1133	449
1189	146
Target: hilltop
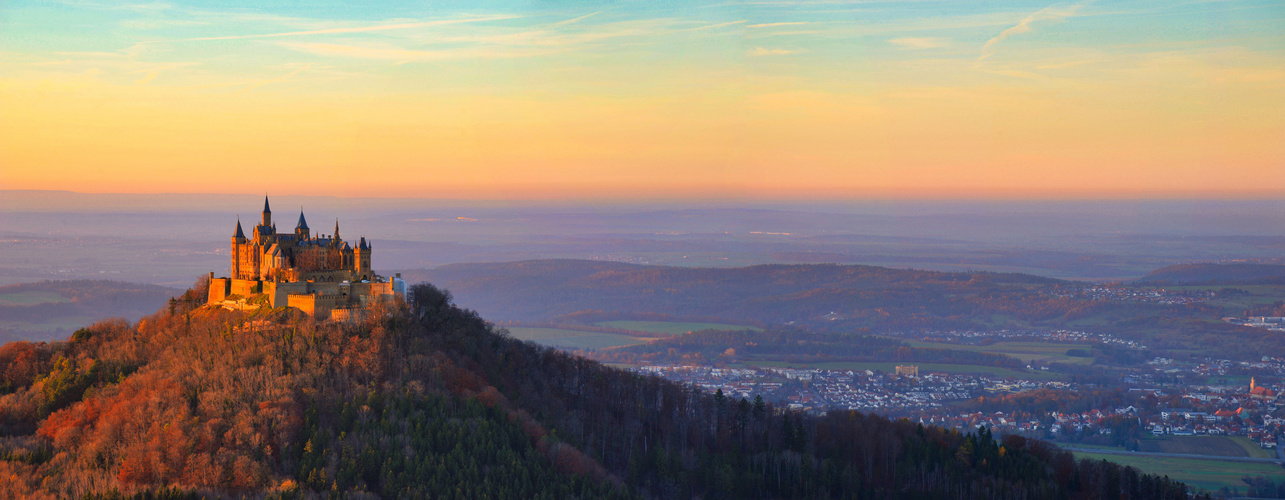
426	399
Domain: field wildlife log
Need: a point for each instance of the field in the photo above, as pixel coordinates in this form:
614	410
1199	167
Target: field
671	327
1222	446
1025	351
30	298
1208	474
574	339
1226	446
924	368
1258	295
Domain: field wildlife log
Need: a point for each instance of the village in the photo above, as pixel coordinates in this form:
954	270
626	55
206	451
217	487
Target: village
1151	405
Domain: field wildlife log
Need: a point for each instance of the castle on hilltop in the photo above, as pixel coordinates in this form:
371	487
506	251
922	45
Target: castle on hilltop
322	275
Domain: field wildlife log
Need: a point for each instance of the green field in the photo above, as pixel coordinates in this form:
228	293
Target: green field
556	337
672	327
1208	474
1025	351
1223	446
61	323
30	298
924	368
1226	446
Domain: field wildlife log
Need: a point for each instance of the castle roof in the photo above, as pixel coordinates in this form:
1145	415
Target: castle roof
363	245
266	210
239	232
303	224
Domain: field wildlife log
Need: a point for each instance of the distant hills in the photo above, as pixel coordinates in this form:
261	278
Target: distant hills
843	299
53	309
1217	274
803	294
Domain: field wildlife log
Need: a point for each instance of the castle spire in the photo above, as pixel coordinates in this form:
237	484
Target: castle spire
303	224
239	233
336	235
267	212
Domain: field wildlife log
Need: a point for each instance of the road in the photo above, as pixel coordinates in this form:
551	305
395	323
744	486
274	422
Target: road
1177	455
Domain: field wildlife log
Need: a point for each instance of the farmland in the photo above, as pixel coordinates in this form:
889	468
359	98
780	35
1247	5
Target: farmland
573	339
1210	474
672	327
30	298
1225	446
1026	351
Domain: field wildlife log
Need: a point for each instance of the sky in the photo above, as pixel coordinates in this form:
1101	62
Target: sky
805	100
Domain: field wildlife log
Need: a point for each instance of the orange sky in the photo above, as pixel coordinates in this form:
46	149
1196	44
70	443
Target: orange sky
1044	101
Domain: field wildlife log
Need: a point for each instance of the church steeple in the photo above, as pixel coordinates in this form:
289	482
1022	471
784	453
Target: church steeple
336	235
267	212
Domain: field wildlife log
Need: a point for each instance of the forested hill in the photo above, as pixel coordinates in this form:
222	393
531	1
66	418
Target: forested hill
543	290
1217	274
426	400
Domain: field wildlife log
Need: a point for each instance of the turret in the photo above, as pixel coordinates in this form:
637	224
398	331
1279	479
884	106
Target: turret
361	257
334	238
238	239
267	212
301	229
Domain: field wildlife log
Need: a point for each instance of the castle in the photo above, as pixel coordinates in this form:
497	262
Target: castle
322	275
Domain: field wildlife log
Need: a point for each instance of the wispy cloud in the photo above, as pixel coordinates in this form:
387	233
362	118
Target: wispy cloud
400	55
575	20
358	29
1050	13
760	51
282	78
920	42
150	74
714	26
1064	65
769	25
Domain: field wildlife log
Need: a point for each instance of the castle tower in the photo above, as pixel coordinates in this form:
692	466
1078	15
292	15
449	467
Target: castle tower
301	229
361	257
267	213
238	239
334	238
1252	385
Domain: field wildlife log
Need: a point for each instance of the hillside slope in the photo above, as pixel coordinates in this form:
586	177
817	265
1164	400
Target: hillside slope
426	399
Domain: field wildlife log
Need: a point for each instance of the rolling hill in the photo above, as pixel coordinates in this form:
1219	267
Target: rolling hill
425	399
1217	274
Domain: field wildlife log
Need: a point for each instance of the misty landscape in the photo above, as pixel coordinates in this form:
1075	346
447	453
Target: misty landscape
1078	323
708	249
